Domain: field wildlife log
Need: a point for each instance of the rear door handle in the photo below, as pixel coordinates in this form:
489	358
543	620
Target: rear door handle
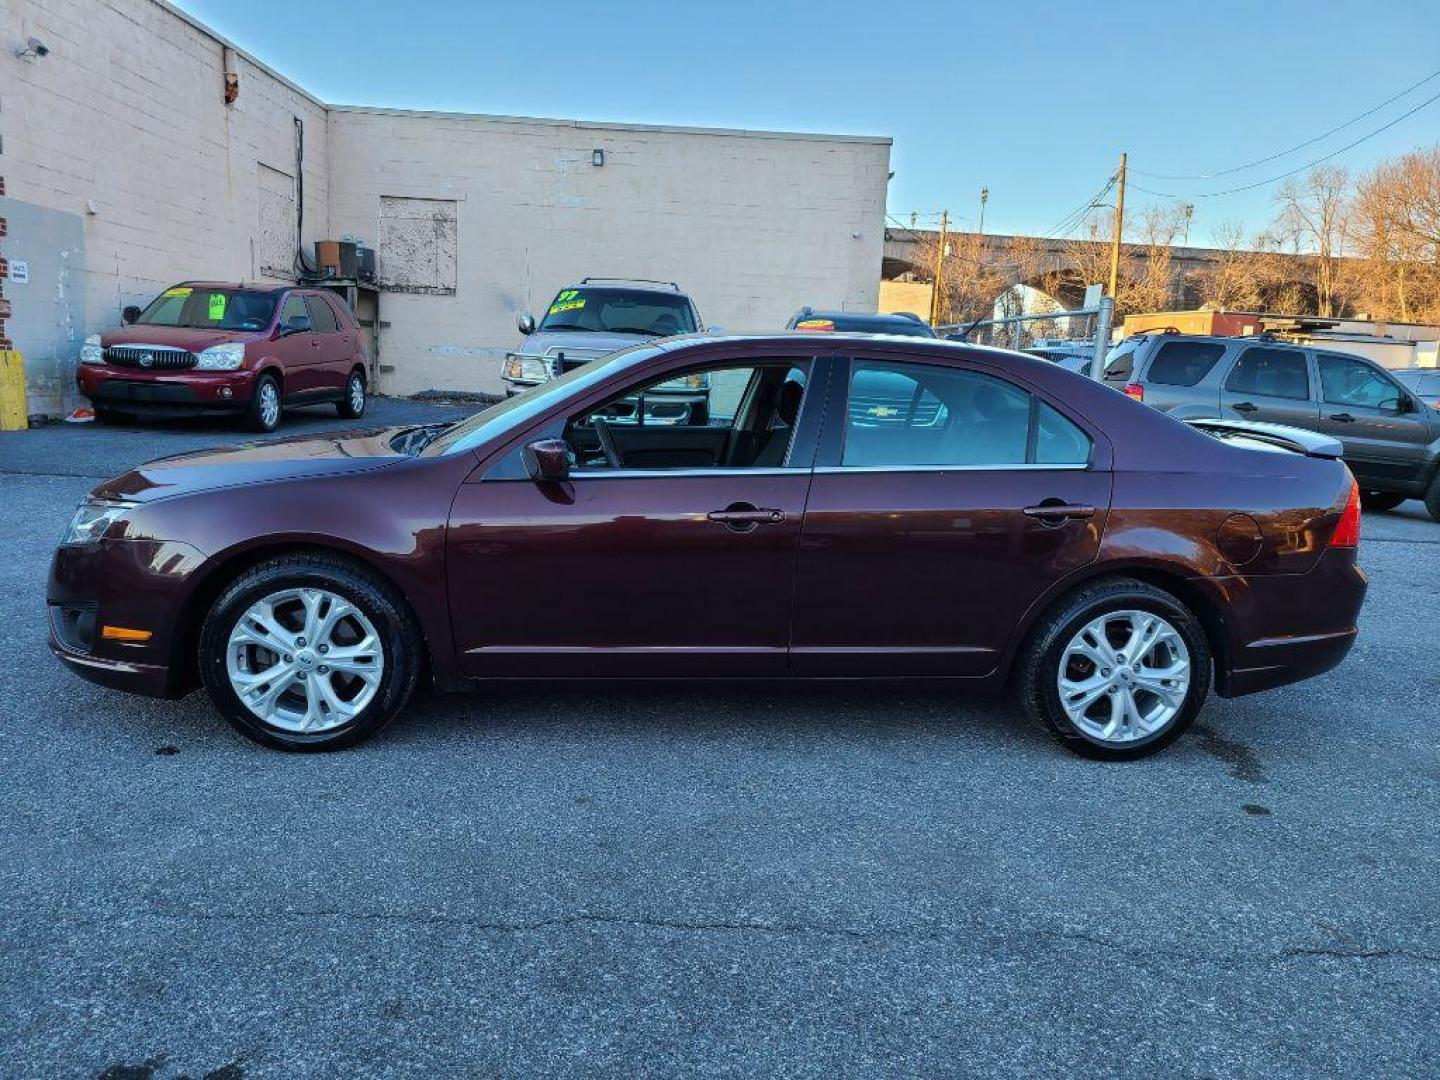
1059	511
1246	406
1343	417
743	517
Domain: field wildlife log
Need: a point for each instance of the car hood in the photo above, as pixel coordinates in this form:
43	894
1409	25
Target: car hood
256	463
178	337
572	343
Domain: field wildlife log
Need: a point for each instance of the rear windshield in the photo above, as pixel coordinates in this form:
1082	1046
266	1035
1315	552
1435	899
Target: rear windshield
1183	363
864	324
646	312
210	309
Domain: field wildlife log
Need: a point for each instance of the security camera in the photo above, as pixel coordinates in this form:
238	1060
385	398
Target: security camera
33	47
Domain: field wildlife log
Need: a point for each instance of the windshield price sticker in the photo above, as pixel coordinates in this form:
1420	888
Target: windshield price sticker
217	306
814	325
176	292
567	300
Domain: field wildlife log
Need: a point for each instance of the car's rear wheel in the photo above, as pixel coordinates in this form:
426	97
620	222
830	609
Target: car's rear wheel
309	652
264	411
1432	497
352	405
1381	500
1117	670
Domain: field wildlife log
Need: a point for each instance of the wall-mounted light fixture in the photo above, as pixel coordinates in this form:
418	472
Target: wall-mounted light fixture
597	158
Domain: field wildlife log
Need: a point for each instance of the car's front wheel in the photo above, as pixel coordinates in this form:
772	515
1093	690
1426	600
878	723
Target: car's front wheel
309	652
1117	670
264	411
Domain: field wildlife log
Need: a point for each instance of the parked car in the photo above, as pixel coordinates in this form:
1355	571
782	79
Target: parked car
1424	383
597	317
1391	437
1107	558
1066	356
852	322
206	347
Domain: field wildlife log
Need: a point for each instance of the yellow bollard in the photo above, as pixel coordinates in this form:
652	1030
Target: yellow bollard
12	391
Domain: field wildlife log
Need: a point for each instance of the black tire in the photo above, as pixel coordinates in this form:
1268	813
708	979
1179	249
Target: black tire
1039	665
400	641
346	406
1432	498
257	416
1381	500
107	415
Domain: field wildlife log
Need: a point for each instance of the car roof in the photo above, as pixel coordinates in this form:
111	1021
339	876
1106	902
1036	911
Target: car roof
248	286
939	348
888	316
670	288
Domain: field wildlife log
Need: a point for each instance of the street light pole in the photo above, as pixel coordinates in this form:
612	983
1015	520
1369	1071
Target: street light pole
1119	230
984	198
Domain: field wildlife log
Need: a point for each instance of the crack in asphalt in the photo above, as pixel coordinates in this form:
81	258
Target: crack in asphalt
1343	951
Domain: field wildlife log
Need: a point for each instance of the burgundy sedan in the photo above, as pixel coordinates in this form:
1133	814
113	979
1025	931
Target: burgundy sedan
855	508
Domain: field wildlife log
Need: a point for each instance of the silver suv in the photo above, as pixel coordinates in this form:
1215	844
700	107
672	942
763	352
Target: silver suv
603	315
1391	437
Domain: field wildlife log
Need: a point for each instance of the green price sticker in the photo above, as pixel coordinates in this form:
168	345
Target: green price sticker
217	306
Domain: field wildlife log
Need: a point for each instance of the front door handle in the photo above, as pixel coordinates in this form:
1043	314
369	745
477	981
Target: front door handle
1246	407
1343	417
1053	513
743	516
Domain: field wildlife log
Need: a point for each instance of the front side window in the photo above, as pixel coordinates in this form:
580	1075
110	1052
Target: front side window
294	308
210	309
1346	381
744	418
1271	373
1183	363
643	312
902	414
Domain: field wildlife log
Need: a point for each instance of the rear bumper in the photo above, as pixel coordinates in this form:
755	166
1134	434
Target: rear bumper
173	392
1283	628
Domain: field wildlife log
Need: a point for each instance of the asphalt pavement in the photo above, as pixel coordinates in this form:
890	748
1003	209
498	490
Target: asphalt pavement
670	882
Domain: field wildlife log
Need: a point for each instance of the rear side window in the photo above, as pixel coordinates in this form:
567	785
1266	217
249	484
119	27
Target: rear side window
1271	373
322	315
1183	363
924	414
1120	361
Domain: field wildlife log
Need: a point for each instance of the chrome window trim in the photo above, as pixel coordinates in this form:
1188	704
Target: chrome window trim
650	474
1017	467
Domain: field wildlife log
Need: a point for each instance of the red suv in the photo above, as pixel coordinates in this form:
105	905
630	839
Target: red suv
211	347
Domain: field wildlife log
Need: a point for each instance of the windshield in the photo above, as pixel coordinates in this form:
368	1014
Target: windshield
620	311
210	309
515	412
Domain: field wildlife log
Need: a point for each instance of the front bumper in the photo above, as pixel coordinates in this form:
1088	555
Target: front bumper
138	584
1287	627
191	390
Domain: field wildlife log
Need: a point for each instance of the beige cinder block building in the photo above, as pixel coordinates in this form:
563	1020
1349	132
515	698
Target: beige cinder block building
126	170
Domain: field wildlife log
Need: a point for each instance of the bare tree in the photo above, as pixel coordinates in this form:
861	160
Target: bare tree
1395	231
1312	219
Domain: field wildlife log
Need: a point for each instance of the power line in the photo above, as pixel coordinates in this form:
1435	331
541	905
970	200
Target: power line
1297	146
1067	225
1292	172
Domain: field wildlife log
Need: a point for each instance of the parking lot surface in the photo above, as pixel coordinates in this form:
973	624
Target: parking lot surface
737	882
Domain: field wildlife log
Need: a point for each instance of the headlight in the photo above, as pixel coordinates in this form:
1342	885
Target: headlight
520	368
93	520
92	352
225	357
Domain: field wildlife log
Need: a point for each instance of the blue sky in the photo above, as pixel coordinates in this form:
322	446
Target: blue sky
1033	101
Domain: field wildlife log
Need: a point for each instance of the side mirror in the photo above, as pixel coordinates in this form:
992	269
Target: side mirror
296	324
547	460
130	315
525	323
714	329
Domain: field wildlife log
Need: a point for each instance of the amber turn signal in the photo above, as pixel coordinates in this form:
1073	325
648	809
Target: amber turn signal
124	633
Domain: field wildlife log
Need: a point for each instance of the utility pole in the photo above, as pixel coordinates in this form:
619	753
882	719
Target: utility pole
939	268
984	198
1119	229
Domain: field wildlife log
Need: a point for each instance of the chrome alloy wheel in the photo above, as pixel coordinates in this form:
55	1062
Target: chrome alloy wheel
357	394
1124	676
269	404
304	660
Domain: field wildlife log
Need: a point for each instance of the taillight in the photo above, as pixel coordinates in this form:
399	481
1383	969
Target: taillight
1347	532
1135	390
